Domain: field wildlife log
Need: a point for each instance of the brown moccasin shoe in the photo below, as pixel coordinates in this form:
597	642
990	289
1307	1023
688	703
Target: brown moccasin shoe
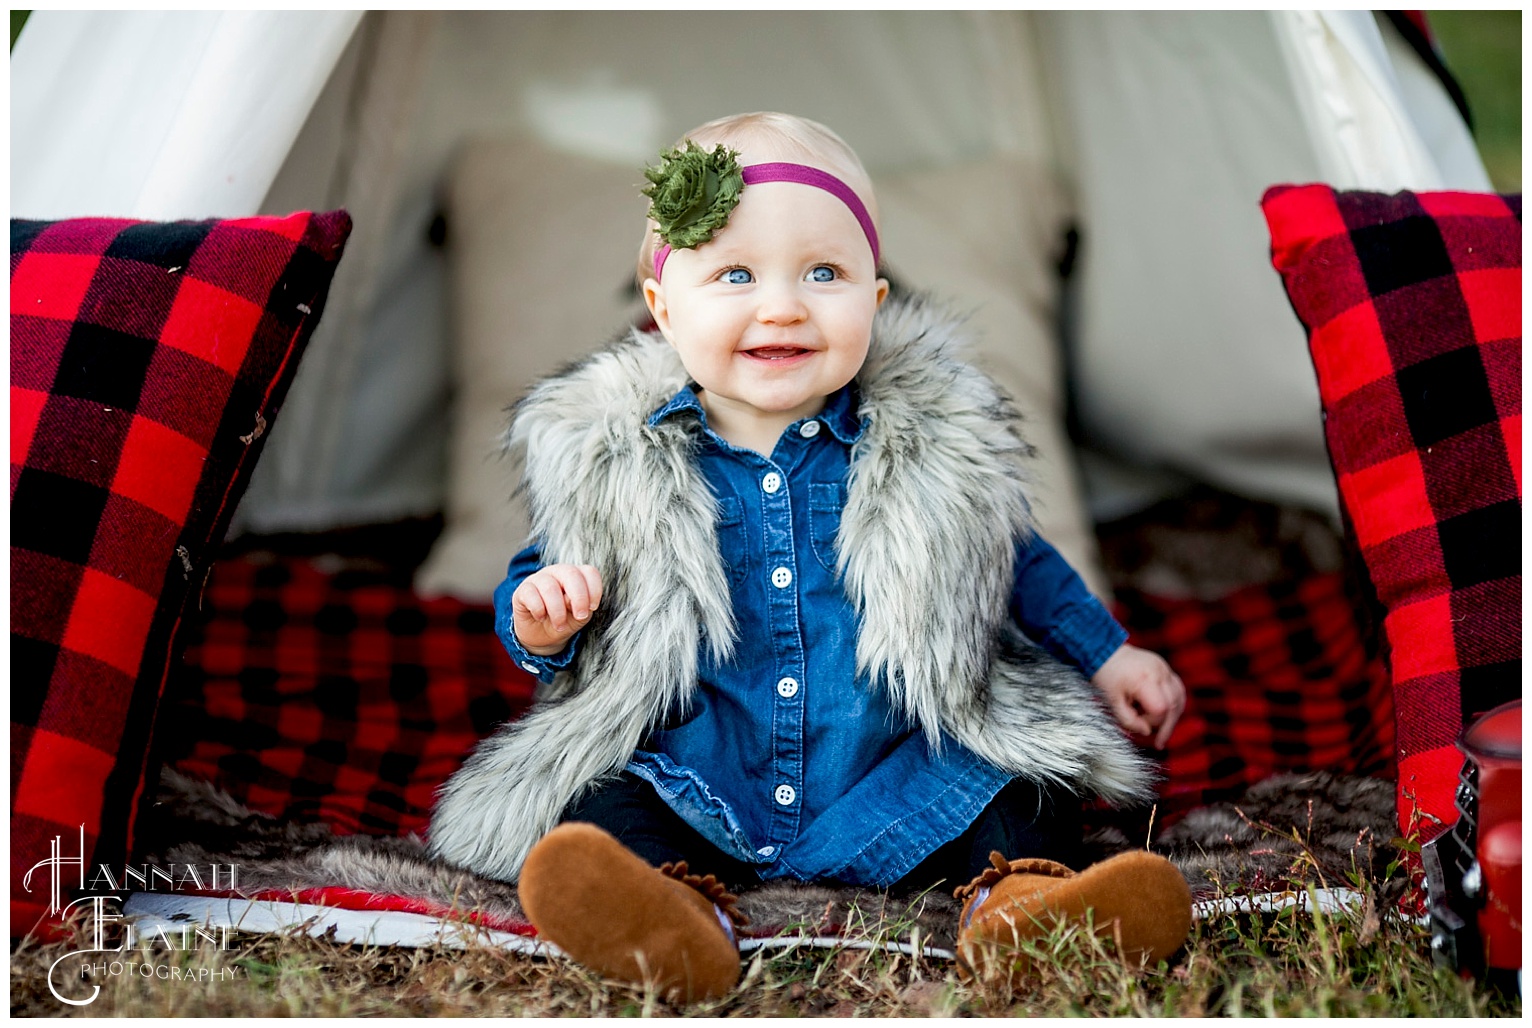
1138	899
599	902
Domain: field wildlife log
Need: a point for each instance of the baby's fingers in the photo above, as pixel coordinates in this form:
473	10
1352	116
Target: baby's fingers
575	583
1128	716
582	587
1175	707
1155	702
527	600
550	591
593	584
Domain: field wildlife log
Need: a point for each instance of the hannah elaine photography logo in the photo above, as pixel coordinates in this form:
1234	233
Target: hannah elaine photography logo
116	946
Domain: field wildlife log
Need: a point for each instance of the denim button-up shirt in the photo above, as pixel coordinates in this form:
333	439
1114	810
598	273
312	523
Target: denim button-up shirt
787	759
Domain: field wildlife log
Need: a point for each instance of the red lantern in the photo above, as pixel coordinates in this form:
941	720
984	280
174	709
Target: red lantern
1473	870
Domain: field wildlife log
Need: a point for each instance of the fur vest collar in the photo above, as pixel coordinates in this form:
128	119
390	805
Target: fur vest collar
935	499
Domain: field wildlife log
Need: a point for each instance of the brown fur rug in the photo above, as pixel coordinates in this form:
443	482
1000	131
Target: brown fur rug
1318	829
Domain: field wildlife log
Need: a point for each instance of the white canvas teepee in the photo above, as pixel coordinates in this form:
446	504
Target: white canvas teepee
162	115
1154	133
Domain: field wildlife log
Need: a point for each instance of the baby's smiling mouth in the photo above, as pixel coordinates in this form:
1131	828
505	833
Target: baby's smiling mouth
776	353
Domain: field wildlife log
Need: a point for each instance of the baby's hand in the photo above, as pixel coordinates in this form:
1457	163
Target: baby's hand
1144	693
552	604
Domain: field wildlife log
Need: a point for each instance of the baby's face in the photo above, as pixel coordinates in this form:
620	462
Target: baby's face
775	312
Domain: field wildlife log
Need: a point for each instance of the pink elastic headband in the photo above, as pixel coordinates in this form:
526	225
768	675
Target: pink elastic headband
804	176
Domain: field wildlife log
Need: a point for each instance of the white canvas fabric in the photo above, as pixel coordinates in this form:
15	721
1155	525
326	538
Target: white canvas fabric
1186	353
1375	115
162	115
1166	126
362	437
1187	358
907	89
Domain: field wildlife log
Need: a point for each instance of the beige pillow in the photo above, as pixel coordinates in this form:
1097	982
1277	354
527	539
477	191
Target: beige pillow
985	236
538	263
542	244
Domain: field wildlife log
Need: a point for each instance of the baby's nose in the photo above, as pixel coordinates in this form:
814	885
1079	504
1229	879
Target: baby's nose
780	304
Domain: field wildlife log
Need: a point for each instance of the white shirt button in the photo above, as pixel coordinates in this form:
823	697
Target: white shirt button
766	851
787	688
772	482
785	795
809	429
781	578
527	665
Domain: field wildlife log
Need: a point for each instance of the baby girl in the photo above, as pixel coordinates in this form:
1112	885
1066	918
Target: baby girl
793	612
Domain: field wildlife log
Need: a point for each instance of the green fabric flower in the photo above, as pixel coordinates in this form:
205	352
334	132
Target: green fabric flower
693	192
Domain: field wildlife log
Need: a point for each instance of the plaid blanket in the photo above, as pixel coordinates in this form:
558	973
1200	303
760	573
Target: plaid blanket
1278	680
336	695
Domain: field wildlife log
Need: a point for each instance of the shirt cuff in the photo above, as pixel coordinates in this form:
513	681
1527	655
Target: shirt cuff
1086	636
543	667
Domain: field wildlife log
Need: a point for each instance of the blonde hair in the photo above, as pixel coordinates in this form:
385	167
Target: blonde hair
770	136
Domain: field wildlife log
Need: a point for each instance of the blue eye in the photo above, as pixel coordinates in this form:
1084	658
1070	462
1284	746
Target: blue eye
823	273
737	277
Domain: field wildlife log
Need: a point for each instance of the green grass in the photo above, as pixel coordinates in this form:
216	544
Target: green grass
1294	963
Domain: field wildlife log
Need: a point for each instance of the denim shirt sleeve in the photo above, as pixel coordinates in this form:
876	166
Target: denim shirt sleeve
522	565
1052	605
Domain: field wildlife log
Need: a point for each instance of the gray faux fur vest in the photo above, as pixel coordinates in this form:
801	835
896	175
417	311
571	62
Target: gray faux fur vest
935	499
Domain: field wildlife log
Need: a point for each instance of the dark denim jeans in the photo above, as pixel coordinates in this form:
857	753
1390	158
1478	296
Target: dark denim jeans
1023	820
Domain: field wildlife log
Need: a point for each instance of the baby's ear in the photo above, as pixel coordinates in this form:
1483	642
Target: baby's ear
882	291
654	298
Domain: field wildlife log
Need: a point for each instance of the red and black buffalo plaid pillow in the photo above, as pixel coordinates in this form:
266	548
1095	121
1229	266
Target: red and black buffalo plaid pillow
1413	306
147	363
